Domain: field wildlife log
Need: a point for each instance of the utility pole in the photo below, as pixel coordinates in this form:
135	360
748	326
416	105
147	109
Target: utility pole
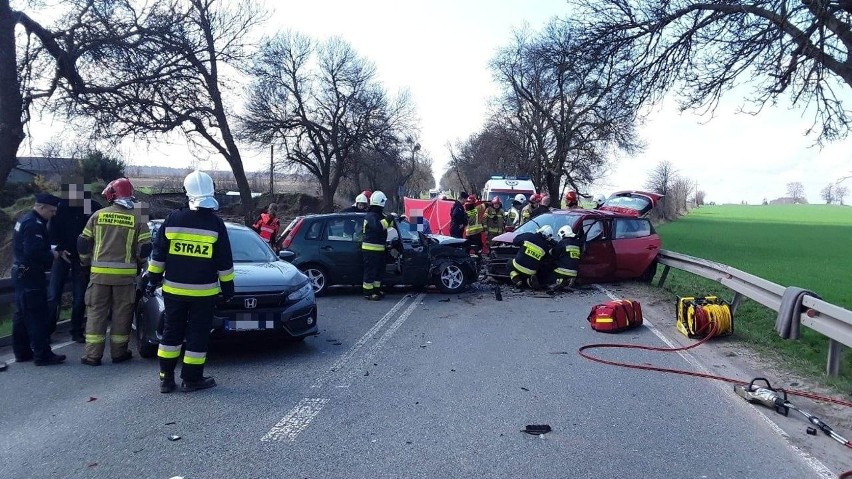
271	169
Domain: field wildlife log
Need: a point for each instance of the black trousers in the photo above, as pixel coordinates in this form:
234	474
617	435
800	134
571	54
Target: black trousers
187	322
374	265
79	280
30	336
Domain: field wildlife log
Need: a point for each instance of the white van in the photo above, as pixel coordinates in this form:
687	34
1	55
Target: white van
506	187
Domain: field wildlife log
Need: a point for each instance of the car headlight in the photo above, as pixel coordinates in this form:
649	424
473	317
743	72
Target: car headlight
301	293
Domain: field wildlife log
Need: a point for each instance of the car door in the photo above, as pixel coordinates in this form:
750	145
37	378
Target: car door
340	247
636	246
597	261
415	256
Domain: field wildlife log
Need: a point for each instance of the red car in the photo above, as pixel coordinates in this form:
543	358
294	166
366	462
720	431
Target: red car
618	241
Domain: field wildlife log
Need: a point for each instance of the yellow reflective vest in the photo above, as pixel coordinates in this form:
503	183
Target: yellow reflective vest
116	235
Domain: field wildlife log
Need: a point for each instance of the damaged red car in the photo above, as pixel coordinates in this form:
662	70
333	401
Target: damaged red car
618	240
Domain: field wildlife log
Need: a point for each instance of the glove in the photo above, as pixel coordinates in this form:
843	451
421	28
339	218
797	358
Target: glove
151	289
227	290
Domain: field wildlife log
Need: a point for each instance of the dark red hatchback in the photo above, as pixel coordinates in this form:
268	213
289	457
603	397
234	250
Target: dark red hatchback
618	241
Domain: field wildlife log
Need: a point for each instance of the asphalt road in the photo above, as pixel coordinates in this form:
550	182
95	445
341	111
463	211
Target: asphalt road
417	385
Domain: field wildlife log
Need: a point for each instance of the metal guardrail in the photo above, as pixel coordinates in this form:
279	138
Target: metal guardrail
825	318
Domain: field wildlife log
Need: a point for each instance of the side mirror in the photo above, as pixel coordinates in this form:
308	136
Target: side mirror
286	255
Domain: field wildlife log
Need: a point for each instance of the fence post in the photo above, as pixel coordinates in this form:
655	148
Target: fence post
663	276
735	303
835	348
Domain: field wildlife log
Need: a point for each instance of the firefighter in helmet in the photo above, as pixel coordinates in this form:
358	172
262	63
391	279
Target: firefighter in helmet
376	226
526	212
193	263
599	201
475	229
513	216
113	245
566	254
571	200
495	220
362	201
533	247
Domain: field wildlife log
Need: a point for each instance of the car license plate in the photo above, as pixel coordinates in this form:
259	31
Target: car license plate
250	322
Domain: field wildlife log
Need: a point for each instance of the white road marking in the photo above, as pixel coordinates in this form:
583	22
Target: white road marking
344	360
295	421
348	375
815	464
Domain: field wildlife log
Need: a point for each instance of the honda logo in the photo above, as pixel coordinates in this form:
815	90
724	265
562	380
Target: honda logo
250	303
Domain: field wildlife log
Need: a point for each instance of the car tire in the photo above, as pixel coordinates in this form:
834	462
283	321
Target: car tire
450	278
318	277
143	346
649	273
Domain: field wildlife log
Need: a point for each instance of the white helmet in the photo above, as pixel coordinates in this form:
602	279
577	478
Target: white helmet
199	191
600	199
566	232
362	198
520	198
546	231
378	199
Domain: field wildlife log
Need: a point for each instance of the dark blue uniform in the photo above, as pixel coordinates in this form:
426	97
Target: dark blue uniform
32	257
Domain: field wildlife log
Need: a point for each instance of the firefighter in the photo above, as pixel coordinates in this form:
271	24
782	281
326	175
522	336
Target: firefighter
495	220
566	254
268	225
513	216
376	226
360	205
526	212
533	247
32	257
599	201
542	208
571	200
112	246
475	229
192	260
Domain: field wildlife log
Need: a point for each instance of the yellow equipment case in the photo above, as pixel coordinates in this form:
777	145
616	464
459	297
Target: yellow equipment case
696	314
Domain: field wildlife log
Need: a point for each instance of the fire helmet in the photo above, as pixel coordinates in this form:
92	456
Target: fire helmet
378	199
566	232
546	231
119	191
200	190
520	198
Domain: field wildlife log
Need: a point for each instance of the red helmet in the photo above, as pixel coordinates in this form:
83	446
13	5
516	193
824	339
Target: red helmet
536	198
471	199
367	193
571	196
496	201
120	188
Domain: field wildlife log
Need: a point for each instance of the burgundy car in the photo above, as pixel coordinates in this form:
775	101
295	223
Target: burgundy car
618	241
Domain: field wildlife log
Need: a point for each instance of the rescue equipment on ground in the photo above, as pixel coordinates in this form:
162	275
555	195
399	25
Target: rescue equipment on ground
695	315
616	316
777	399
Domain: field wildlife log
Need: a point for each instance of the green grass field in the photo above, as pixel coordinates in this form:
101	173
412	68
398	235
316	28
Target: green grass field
809	246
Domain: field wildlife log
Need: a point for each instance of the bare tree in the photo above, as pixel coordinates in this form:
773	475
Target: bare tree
662	179
321	103
840	193
570	108
699	197
496	150
796	190
828	193
703	49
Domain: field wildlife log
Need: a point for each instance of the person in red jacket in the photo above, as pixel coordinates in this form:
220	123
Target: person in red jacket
268	225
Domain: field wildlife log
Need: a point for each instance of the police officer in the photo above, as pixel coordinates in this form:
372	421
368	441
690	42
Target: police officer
192	261
566	254
533	247
113	245
376	226
64	228
32	257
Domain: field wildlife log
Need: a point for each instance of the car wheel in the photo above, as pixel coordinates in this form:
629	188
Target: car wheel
145	348
318	278
450	278
649	273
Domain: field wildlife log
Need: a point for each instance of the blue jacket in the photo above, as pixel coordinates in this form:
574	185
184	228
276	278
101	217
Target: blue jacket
31	247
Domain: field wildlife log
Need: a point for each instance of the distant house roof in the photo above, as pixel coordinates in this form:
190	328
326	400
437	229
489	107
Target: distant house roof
41	164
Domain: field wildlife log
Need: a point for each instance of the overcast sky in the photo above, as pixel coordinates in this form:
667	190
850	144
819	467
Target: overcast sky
439	50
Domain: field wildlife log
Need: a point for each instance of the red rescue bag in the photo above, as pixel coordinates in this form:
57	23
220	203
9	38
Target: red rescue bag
616	316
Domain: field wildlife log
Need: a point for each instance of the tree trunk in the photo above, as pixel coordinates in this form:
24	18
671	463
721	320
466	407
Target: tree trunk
11	101
552	186
246	201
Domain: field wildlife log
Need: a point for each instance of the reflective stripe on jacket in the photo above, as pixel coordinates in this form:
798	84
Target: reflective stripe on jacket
567	256
192	254
532	250
375	230
116	235
474	221
267	226
494	220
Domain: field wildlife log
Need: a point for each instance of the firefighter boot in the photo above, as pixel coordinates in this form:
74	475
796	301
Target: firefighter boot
203	383
516	279
167	382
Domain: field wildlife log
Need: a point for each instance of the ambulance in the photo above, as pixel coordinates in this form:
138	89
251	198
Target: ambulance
506	187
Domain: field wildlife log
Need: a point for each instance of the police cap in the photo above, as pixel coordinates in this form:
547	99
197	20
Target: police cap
48	199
